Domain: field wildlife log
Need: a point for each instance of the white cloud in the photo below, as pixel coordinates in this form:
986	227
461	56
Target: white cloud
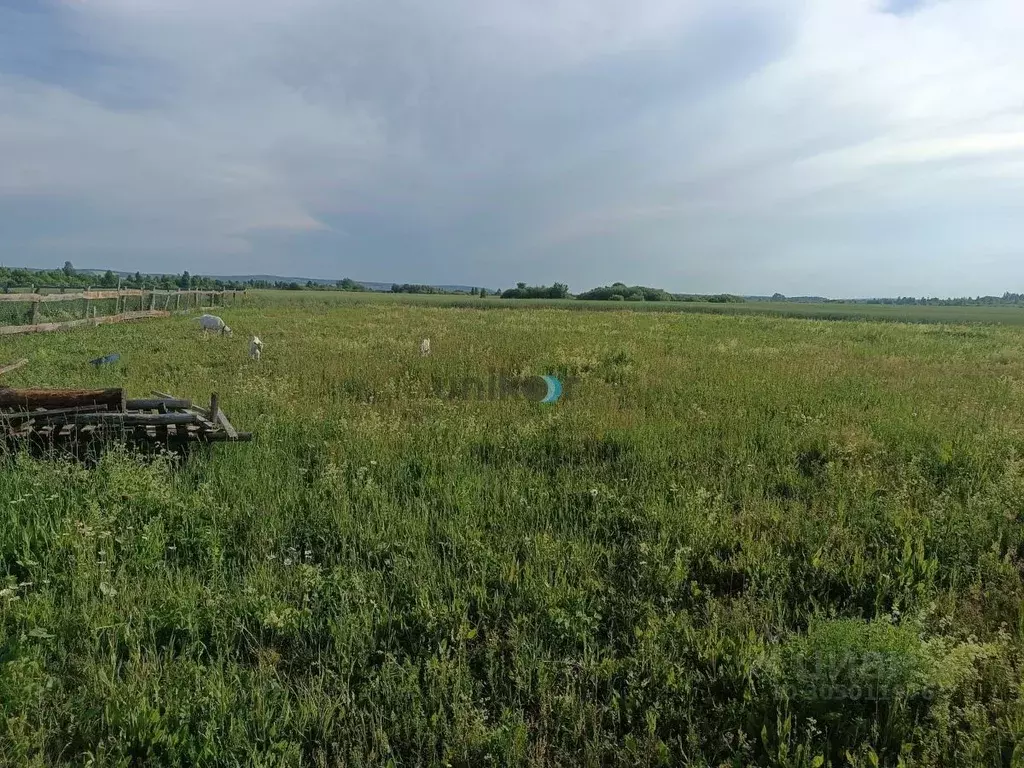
683	140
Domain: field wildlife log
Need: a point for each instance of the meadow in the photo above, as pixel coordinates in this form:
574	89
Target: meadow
1002	315
737	540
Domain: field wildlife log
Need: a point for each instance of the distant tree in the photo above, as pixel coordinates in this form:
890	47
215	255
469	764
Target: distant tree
620	289
69	269
778	297
523	291
185	281
347	284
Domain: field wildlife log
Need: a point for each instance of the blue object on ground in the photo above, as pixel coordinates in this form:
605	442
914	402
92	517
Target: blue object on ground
113	358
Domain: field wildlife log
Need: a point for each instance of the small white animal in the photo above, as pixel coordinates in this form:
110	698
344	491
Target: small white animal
255	347
214	323
425	347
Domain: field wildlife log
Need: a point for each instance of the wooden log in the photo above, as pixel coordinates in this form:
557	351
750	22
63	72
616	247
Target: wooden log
27	399
50	413
133	419
13	366
164	403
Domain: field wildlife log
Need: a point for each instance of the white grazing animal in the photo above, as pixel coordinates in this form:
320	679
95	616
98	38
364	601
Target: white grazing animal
255	347
425	347
214	323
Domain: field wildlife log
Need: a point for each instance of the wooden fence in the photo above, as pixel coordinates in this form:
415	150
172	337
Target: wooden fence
130	304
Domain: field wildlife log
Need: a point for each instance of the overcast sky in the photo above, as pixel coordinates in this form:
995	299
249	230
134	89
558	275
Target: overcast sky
836	147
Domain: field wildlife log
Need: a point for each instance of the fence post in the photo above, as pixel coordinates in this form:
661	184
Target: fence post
35	313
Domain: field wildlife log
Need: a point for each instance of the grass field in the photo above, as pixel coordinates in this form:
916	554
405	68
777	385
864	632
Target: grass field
737	540
1004	315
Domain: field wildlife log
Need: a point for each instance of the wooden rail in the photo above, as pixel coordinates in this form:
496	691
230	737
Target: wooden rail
145	303
12	330
89	295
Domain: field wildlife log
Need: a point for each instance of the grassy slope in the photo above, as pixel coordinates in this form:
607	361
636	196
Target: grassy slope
671	565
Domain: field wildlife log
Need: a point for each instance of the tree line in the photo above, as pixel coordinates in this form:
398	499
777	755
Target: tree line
69	277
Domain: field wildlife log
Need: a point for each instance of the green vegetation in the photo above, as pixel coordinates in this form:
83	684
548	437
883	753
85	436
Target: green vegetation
413	288
743	540
524	291
69	277
633	293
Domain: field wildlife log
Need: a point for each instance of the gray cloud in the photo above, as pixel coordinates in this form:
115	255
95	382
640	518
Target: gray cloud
753	146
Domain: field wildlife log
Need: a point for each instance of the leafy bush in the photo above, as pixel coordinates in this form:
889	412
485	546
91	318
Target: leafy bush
524	291
628	292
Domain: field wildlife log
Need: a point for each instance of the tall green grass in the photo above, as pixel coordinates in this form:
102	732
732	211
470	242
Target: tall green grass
738	541
1005	315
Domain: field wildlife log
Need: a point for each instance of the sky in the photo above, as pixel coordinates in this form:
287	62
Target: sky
809	147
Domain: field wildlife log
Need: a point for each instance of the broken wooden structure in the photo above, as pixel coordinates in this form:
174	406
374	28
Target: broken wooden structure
85	422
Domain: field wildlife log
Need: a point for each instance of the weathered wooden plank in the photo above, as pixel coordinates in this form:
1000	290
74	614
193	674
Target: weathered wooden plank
232	434
48	413
133	419
13	330
13	366
27	399
161	404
